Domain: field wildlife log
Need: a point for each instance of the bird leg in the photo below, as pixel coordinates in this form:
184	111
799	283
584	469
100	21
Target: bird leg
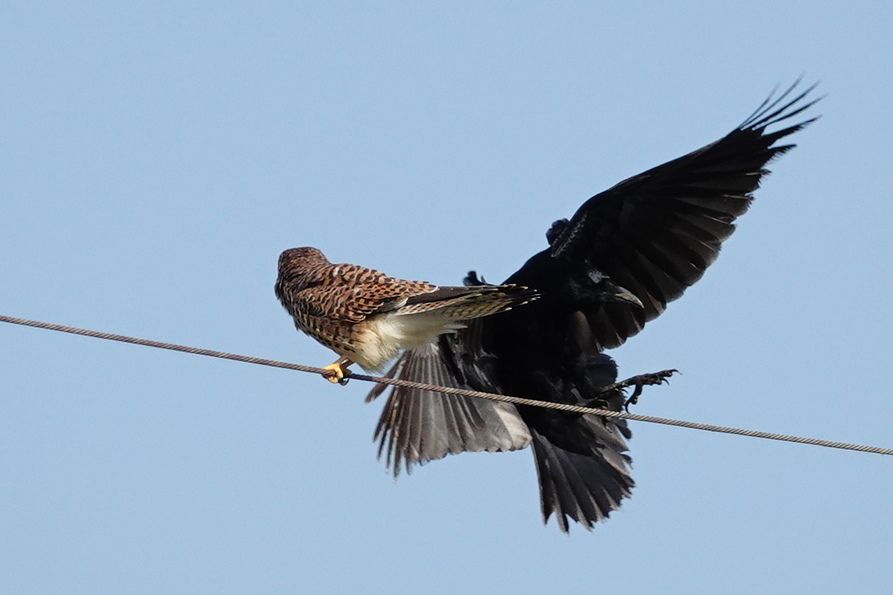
638	383
337	372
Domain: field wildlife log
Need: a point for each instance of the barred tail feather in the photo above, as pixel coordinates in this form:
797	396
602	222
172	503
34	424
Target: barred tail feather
417	426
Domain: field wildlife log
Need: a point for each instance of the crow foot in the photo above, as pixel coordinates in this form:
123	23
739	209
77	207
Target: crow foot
638	383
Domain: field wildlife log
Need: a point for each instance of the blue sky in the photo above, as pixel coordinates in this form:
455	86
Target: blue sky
157	157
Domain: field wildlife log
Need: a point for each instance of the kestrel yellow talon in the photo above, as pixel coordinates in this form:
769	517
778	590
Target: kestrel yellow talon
340	373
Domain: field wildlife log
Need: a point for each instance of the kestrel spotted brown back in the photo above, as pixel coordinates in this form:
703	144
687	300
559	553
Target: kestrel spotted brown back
368	317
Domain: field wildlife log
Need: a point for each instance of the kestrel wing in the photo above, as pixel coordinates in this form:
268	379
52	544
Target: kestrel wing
354	293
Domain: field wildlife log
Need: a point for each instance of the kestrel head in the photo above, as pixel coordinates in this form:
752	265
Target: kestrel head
300	257
295	264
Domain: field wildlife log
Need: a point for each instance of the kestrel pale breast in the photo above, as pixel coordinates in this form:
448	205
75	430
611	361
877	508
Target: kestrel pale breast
368	317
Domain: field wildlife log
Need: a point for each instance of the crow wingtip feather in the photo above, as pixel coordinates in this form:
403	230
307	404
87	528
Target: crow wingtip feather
769	112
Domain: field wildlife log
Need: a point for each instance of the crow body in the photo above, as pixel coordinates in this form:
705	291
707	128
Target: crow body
606	272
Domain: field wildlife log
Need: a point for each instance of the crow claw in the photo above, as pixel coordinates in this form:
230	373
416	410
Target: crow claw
638	383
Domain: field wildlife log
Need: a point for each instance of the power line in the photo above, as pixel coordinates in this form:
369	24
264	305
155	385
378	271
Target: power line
450	390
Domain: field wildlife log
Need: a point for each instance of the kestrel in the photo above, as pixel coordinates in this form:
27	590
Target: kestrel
367	317
607	271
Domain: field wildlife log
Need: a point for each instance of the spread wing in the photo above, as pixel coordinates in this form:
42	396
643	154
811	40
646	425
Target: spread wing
653	234
656	233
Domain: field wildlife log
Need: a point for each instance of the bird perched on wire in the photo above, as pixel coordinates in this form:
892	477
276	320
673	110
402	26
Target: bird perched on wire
368	317
607	271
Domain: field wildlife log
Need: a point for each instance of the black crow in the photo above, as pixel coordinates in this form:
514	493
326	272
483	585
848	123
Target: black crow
608	270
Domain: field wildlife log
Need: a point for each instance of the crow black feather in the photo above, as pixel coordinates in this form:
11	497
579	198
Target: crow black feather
607	271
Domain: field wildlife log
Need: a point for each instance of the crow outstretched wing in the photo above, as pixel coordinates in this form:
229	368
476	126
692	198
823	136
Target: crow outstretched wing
651	237
656	233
